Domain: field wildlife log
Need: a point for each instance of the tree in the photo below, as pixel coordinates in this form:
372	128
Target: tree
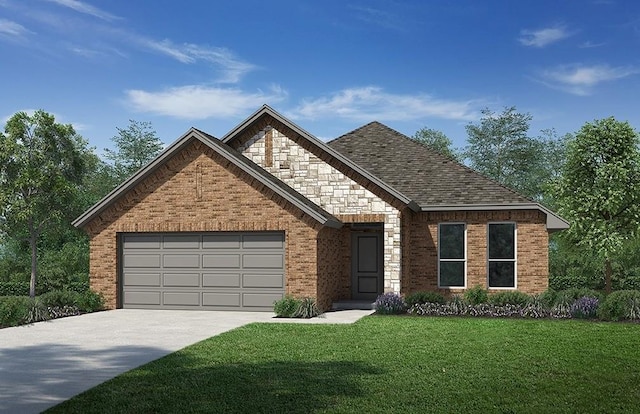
500	148
437	140
40	167
599	190
135	147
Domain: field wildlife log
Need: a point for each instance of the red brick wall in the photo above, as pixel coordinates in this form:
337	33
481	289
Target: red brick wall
334	270
198	190
420	238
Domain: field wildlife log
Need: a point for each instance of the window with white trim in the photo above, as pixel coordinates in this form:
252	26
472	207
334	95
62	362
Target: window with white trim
501	246
452	255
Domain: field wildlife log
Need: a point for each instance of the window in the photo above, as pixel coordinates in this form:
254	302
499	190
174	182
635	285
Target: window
502	255
452	255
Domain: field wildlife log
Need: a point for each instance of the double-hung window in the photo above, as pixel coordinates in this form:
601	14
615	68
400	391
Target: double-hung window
452	255
502	255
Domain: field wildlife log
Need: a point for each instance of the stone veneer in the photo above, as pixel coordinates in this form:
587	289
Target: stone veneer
329	188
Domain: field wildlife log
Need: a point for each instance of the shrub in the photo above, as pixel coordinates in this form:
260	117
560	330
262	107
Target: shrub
621	305
307	309
14	288
568	296
584	307
513	297
286	307
424	297
389	304
60	298
476	295
37	311
90	301
546	299
14	310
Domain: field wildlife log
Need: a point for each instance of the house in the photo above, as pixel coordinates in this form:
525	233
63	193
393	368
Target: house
236	223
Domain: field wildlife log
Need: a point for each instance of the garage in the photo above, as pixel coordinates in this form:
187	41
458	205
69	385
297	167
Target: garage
202	271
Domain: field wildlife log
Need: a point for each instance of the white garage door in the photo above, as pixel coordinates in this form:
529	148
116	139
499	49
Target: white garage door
214	271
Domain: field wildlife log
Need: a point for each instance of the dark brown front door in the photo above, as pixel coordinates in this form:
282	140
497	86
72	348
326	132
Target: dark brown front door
367	265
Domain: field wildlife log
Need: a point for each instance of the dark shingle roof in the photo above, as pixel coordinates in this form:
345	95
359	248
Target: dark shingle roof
424	175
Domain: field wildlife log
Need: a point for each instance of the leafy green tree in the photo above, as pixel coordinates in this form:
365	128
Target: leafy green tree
135	147
40	167
500	148
599	190
438	141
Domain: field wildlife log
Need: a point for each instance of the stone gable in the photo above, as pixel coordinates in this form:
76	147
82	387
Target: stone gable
329	188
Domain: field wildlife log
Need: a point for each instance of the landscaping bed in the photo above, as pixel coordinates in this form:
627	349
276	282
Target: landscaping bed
21	310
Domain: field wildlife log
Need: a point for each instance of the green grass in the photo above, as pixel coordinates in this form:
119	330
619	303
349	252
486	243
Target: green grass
389	364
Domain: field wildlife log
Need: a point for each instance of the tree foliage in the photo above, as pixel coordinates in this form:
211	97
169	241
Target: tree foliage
500	148
40	166
599	190
135	147
438	141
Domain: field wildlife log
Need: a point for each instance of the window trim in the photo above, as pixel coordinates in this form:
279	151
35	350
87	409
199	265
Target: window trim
514	260
464	260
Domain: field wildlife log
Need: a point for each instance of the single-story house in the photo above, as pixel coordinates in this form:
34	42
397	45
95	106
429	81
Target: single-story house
236	223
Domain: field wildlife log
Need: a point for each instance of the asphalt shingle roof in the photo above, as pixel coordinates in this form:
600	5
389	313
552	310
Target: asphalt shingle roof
419	172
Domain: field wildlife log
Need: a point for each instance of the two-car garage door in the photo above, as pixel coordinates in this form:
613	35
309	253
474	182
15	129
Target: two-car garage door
215	270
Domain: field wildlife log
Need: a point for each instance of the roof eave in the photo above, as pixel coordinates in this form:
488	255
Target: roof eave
554	221
132	181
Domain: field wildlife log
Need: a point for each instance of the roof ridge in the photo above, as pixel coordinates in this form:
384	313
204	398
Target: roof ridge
355	130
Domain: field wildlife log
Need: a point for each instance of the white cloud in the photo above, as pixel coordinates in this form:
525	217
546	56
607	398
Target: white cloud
232	69
589	44
543	37
371	102
580	79
13	29
85	8
201	102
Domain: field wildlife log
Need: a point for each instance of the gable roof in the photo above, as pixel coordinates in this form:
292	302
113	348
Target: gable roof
231	155
268	116
432	180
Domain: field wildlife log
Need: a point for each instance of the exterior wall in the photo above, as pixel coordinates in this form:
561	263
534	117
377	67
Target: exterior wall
334	278
329	188
197	190
532	249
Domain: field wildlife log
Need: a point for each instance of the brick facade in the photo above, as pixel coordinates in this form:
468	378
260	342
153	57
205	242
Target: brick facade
198	190
421	253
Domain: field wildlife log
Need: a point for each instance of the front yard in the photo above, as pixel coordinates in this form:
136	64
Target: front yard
389	364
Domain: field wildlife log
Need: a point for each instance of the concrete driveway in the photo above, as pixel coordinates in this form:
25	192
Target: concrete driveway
46	363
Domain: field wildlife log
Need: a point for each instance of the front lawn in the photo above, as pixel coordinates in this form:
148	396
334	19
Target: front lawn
388	364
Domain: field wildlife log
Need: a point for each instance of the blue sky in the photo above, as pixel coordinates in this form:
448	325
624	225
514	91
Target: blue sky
330	66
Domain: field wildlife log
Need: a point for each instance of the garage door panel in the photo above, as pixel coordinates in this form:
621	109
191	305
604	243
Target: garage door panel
260	300
188	261
221	241
221	299
142	279
181	280
142	298
263	241
216	271
151	261
229	280
262	261
177	241
144	241
221	261
181	298
262	280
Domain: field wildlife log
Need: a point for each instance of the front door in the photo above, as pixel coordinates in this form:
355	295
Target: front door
367	265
